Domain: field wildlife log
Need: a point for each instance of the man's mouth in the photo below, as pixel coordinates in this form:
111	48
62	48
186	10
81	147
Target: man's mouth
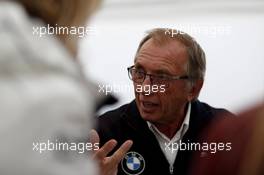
149	106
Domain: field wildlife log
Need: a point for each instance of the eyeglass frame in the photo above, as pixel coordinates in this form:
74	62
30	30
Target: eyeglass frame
167	77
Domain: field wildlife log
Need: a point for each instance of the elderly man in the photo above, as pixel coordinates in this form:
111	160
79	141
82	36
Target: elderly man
165	117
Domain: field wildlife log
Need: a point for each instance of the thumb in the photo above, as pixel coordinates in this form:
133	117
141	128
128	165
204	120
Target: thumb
94	137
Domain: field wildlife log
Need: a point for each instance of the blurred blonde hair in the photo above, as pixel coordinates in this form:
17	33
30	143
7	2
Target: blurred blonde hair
65	13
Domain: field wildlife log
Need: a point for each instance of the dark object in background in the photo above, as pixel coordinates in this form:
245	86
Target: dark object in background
108	100
246	133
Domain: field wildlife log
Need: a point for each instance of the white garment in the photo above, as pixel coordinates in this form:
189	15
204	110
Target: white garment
43	97
164	140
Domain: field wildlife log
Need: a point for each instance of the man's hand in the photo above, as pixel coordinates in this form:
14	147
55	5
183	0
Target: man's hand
109	165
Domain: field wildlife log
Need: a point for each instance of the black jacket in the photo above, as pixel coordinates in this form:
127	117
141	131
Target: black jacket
126	123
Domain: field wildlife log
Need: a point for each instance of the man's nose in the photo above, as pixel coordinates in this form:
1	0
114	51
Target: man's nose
147	86
147	80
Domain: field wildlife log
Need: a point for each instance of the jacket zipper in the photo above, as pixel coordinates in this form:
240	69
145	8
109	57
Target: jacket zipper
171	169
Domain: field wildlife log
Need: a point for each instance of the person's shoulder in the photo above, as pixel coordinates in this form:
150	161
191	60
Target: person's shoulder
203	107
203	115
112	123
115	114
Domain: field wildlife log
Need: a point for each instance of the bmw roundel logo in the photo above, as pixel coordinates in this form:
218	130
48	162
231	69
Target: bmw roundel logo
133	163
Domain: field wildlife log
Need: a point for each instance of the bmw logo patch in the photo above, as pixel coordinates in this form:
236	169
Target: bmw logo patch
133	163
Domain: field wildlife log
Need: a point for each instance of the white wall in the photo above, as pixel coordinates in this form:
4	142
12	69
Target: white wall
235	56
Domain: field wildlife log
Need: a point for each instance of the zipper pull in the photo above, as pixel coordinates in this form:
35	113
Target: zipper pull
171	169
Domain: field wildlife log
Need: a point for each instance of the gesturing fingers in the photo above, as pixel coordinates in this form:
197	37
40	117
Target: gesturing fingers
104	150
108	165
120	153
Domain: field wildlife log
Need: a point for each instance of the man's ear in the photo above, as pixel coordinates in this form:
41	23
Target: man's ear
195	89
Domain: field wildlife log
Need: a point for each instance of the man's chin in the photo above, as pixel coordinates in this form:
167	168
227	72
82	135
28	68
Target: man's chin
151	117
148	113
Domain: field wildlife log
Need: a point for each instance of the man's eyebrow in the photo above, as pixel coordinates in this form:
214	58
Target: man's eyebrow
139	66
157	71
162	71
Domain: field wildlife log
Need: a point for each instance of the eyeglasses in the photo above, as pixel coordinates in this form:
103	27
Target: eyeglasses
138	76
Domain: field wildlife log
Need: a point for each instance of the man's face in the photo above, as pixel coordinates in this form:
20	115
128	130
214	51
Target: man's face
169	59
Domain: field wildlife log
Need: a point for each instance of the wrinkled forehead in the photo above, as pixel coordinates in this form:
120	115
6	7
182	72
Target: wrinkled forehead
164	47
173	54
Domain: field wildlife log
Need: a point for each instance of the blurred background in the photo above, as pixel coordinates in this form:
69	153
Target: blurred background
229	31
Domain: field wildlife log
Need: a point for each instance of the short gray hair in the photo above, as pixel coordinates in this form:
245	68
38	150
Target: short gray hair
196	65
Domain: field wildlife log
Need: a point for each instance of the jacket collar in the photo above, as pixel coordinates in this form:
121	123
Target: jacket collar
199	118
